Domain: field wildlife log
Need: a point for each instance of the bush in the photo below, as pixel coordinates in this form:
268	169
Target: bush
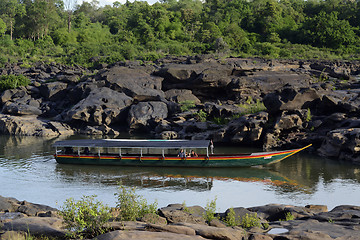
210	211
12	81
131	205
85	218
250	220
230	219
186	105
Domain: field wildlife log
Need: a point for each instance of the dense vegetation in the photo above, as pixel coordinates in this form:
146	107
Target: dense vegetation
86	34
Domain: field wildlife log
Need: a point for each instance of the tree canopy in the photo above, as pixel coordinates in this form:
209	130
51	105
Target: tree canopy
73	33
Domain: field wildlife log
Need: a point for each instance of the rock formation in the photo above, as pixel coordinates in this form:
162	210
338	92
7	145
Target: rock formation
258	102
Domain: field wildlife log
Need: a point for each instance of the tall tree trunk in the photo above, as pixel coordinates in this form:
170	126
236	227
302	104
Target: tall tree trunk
69	21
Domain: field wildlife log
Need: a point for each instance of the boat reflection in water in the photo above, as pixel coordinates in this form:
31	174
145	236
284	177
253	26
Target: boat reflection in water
197	179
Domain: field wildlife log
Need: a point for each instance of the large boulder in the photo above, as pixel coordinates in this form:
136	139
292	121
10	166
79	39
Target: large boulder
37	226
145	114
181	95
203	79
343	144
32	126
19	108
101	106
246	129
54	91
133	82
177	213
290	99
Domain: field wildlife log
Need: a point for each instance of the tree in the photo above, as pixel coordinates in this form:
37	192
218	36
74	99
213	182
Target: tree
41	15
2	27
326	30
9	9
69	7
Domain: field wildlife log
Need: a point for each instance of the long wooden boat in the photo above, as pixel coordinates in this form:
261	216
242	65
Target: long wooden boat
125	152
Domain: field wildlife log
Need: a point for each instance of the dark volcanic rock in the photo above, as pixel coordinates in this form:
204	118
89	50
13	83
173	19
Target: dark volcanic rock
343	144
144	114
101	106
290	99
133	82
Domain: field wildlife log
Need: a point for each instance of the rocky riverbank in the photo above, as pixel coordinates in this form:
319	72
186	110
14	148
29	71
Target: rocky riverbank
19	219
267	103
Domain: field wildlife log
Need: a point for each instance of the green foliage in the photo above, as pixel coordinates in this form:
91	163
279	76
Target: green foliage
230	219
220	120
140	31
201	115
186	105
210	210
131	205
2	27
289	216
308	115
12	81
86	217
250	220
251	108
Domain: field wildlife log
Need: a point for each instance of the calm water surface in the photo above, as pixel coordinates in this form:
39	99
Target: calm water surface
28	171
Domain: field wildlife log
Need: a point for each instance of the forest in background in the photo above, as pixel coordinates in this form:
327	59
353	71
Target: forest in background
87	34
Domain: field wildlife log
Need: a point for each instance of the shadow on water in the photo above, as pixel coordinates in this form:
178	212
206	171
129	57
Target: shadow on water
199	179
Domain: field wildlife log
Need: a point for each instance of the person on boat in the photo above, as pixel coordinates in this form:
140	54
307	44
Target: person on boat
86	151
69	150
182	154
193	154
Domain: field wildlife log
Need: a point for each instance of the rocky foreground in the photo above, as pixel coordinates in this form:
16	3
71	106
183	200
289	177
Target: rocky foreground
21	219
267	103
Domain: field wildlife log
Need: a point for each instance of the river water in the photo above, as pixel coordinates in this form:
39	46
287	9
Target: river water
28	171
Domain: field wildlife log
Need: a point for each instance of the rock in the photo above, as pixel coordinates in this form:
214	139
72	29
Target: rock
32	209
201	78
257	236
175	213
143	114
217	223
31	126
154	219
99	130
54	91
36	226
172	228
288	121
181	95
290	99
101	106
343	144
133	82
276	212
240	212
13	235
5	205
246	129
125	235
168	135
128	226
340	214
205	231
223	110
313	229
20	109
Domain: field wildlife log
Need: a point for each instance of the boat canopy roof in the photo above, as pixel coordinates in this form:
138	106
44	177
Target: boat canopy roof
131	143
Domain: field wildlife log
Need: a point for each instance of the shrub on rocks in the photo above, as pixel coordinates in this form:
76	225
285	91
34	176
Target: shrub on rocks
86	217
12	81
132	206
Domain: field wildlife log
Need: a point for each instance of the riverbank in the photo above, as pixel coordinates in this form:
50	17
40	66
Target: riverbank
273	104
19	219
